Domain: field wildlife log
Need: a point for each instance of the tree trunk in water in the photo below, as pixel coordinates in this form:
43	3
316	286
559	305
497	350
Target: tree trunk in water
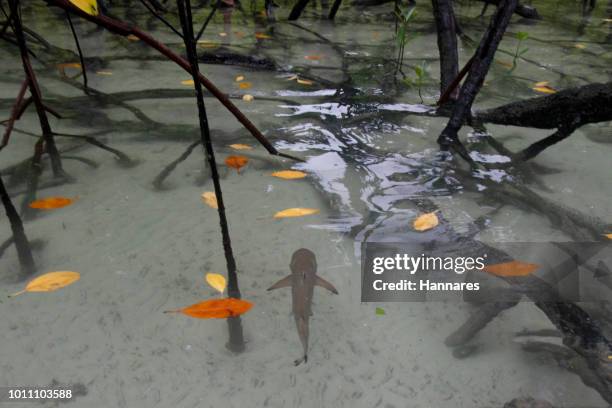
480	66
447	43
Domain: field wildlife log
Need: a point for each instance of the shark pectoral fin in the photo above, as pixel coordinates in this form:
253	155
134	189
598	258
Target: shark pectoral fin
319	281
283	283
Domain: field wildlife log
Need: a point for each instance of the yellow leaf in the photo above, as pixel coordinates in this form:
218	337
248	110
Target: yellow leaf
544	89
106	73
245	85
304	81
248	98
132	37
542	83
216	281
239	78
292	78
240	146
50	281
88	6
609	236
295	212
262	36
210	199
289	174
426	221
187	82
580	46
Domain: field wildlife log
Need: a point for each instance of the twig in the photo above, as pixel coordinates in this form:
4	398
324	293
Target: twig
210	16
157	182
78	45
160	18
14	114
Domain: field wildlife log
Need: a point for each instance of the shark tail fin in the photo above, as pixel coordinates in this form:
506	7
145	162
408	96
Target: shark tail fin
283	283
319	281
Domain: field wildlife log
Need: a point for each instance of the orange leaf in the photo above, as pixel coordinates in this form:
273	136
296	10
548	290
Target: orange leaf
262	36
609	236
132	37
244	85
51	203
512	268
296	212
236	162
426	221
289	174
216	308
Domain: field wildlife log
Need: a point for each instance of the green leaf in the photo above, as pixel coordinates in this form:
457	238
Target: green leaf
380	311
522	35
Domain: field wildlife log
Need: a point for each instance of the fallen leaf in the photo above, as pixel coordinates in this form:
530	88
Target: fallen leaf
210	199
304	81
51	203
504	64
262	36
62	67
222	34
580	46
289	174
296	212
236	162
50	281
216	308
188	82
239	78
544	89
542	83
313	57
240	146
88	6
380	311
245	85
512	268
248	98
426	221
207	44
132	37
291	78
609	236
106	73
216	281
607	20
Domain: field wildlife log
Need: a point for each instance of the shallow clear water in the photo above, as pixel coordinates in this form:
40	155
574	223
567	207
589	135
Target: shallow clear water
373	166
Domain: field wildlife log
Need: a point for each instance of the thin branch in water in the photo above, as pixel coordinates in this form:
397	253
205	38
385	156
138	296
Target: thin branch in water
24	252
14	114
236	340
158	181
78	45
160	18
210	16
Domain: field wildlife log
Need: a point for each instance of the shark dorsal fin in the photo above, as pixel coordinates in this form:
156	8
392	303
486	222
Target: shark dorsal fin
283	283
319	281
